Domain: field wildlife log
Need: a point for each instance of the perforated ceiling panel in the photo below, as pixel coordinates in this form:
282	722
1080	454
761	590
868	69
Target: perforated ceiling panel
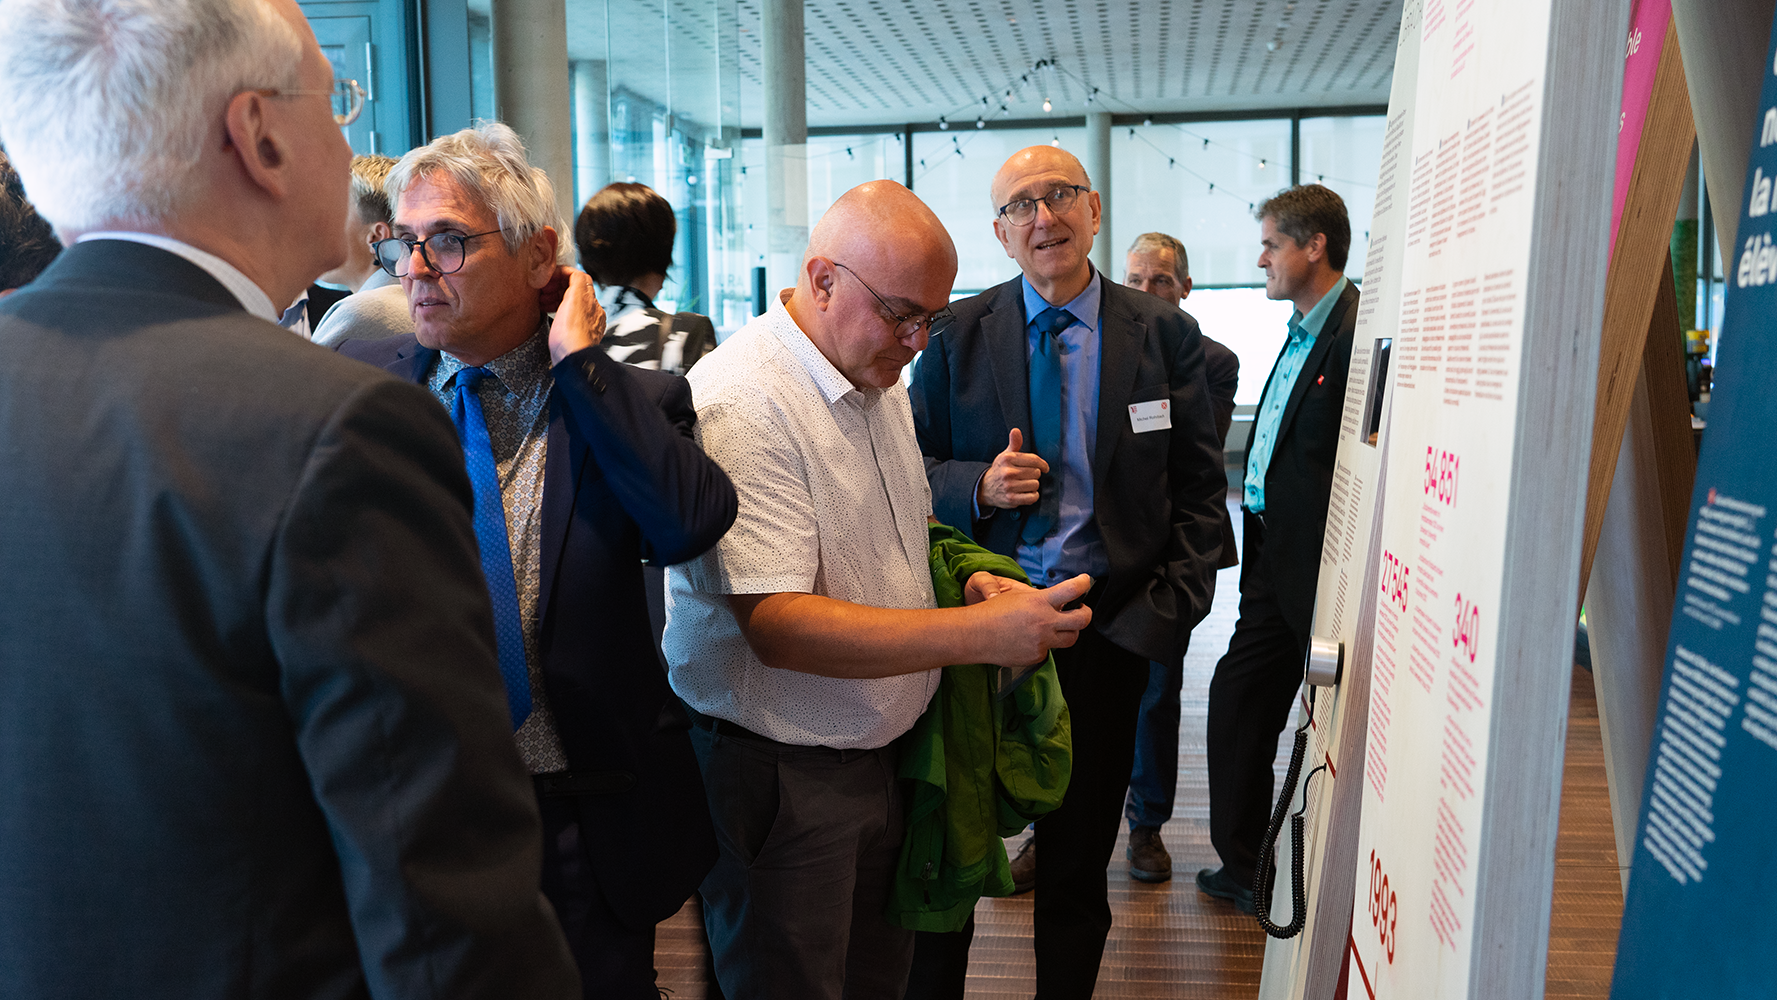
914	60
883	61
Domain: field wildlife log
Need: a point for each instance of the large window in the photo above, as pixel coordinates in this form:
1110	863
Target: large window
953	172
1199	183
656	101
1345	154
836	164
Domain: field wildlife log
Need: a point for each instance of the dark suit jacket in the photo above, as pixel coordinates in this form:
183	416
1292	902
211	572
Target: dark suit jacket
321	299
1221	369
1299	480
253	741
1156	494
623	480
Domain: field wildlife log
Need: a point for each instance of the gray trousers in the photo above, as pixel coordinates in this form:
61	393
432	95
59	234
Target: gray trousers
809	839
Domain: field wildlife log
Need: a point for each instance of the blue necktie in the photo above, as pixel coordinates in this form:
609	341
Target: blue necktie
1045	420
490	533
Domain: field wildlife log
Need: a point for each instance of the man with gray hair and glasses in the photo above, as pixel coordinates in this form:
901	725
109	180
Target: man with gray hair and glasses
252	736
583	468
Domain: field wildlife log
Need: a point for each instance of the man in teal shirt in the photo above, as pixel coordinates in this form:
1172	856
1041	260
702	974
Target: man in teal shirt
1304	236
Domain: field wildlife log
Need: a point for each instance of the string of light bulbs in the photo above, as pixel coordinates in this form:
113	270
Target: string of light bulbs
1092	93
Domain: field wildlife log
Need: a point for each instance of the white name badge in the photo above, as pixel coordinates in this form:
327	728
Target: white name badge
1155	415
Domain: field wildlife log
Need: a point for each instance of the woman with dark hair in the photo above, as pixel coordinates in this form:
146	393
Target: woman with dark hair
625	237
27	243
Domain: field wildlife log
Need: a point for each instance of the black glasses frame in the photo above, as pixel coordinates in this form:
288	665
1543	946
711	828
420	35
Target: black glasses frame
1059	200
919	321
423	246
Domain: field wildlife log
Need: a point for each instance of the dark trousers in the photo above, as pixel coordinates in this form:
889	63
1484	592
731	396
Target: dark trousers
1103	684
1153	781
616	961
1250	696
809	838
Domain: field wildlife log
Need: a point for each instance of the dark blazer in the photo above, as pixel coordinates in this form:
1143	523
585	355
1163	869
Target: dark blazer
321	299
1156	494
1299	480
623	481
1221	369
253	740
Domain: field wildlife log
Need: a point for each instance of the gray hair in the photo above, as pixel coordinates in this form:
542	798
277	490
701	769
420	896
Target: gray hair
106	106
1155	242
489	162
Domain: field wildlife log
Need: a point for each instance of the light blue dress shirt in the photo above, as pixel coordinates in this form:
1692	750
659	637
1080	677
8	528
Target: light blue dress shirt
1303	330
1075	545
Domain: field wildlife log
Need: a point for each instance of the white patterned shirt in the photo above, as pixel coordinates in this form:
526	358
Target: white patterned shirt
516	404
833	501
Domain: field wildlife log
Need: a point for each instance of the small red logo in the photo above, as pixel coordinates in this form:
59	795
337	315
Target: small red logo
1163	404
1712	494
1320	380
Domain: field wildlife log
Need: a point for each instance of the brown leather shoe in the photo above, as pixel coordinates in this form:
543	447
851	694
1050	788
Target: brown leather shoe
1024	867
1148	860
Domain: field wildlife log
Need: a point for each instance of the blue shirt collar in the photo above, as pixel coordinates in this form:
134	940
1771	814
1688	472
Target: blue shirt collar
1084	306
1317	317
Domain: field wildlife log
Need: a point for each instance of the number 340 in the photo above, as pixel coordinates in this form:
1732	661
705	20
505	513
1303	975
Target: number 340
1382	907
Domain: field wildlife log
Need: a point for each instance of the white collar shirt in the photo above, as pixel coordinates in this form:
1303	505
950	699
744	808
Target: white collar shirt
833	501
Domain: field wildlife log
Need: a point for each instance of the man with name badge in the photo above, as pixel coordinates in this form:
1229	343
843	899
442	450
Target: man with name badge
1065	421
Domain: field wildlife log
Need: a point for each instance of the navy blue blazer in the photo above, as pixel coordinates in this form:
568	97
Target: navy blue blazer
623	482
1158	497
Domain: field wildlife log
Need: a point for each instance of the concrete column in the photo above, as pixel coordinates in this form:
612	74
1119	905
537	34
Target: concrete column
786	143
1098	167
1724	43
592	129
531	88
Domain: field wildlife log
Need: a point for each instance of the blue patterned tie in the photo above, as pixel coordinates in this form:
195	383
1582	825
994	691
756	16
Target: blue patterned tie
1045	420
490	533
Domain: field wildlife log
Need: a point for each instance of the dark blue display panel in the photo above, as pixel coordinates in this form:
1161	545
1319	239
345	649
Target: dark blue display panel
1701	915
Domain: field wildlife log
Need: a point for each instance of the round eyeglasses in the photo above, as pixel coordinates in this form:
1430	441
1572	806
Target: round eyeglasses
444	252
346	95
1023	212
912	324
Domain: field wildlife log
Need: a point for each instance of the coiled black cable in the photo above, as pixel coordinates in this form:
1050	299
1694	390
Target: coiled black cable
1265	875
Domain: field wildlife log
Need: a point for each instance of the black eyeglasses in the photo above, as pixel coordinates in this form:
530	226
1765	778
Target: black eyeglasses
1023	212
444	252
912	324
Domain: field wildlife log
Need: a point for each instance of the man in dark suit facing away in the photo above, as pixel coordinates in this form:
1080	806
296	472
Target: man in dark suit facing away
582	467
1065	421
1304	237
252	737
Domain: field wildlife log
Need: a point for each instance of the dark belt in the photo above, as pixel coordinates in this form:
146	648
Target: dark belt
559	783
722	727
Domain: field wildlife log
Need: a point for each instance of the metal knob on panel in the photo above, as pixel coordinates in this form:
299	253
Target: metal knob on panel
1326	661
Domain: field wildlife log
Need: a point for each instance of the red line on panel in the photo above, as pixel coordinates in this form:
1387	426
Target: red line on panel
1359	959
